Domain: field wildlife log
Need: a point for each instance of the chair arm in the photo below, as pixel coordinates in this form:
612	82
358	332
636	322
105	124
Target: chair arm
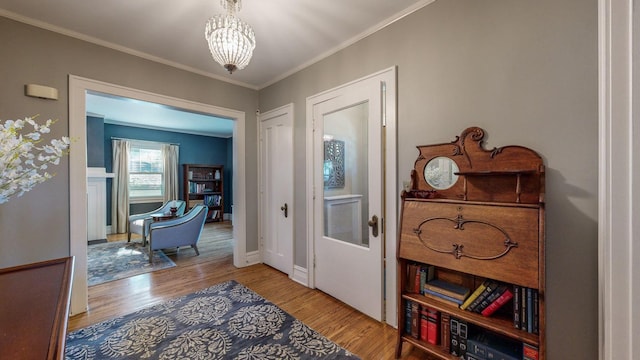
180	231
140	216
180	220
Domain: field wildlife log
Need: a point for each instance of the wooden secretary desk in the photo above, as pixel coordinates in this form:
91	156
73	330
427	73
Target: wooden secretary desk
473	220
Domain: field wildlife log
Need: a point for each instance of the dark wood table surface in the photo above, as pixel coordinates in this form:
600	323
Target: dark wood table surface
162	216
34	309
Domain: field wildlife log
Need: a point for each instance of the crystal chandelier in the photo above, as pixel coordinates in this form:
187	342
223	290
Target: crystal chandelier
231	40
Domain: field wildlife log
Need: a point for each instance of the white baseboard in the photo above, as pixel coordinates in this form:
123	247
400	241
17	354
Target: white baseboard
253	258
108	230
300	275
226	216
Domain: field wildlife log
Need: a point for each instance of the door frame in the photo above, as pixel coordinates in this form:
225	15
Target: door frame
285	110
78	86
618	189
390	184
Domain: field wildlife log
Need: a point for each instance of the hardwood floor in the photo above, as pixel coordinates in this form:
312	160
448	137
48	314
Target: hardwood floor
342	324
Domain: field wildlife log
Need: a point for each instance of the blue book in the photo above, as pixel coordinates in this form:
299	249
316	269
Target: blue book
455	340
407	318
536	311
442	296
486	345
447	288
529	310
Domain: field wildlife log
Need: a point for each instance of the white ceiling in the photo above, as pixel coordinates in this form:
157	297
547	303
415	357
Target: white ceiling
290	34
137	113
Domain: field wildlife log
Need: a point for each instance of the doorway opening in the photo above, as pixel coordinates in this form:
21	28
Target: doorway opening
196	137
78	88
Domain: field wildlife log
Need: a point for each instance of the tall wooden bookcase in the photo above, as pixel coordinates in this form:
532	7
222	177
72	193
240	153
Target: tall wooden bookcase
203	184
472	215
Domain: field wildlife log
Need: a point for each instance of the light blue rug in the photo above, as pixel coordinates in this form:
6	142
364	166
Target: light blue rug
118	260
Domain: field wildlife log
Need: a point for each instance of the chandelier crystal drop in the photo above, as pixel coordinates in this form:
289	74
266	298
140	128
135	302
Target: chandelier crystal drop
231	40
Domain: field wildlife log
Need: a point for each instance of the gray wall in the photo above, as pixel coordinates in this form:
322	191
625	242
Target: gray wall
35	226
526	72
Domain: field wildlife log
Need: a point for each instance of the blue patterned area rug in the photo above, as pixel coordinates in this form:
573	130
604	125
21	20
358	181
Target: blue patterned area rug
118	260
225	321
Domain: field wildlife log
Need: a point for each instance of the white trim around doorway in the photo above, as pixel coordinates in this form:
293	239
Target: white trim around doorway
619	194
78	87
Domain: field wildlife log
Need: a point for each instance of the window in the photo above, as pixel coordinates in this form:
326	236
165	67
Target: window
146	171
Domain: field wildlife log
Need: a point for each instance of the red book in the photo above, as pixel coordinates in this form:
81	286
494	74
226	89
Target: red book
497	303
433	326
424	314
529	352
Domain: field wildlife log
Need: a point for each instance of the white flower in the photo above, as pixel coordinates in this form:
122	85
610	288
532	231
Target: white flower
22	156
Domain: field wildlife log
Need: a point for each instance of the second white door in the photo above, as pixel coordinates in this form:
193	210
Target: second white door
276	190
348	209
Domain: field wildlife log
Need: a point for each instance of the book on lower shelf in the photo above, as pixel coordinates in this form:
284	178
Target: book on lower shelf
468	356
445	332
465	340
487	345
459	334
424	324
433	326
415	320
463	334
407	317
454	336
530	352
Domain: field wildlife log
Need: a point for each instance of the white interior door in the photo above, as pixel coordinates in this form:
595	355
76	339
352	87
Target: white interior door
276	190
348	210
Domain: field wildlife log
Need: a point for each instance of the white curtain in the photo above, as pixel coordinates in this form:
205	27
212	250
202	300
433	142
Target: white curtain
170	155
120	189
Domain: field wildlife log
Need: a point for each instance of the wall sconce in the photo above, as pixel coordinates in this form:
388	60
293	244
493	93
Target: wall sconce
41	91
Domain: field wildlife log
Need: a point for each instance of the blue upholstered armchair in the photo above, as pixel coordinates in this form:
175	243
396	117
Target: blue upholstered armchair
139	223
182	231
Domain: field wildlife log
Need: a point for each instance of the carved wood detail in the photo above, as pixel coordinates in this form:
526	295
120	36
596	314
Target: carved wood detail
457	249
513	174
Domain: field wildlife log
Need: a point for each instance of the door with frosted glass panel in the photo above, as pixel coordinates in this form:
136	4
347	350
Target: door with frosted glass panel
348	228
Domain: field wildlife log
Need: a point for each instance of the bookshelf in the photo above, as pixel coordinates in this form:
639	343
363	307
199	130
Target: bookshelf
203	184
474	218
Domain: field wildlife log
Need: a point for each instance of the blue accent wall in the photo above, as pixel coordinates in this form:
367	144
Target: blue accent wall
95	133
194	149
